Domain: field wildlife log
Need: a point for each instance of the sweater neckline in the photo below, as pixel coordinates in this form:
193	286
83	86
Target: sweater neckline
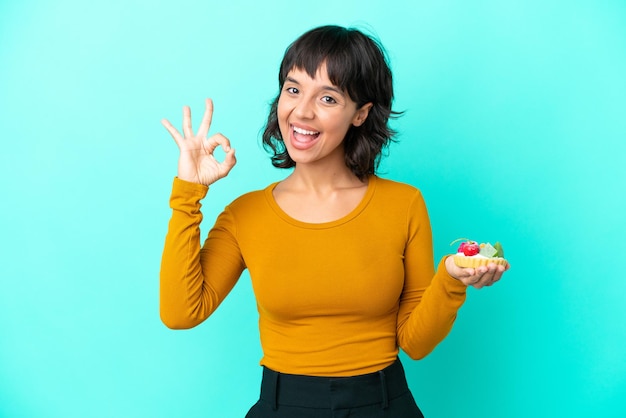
269	196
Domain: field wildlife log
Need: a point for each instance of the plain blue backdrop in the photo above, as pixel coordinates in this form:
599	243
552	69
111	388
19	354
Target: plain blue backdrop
514	130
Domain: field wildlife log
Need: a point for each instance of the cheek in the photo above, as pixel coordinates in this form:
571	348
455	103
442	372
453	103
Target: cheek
281	115
339	125
281	112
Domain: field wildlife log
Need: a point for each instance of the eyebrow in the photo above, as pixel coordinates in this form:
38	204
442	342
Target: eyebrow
330	88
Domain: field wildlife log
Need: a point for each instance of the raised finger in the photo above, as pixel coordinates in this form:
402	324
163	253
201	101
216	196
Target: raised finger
170	128
206	119
187	129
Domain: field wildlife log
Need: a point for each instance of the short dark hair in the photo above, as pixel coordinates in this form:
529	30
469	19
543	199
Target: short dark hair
357	64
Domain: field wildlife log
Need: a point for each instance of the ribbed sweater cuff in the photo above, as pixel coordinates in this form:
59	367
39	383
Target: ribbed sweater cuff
187	187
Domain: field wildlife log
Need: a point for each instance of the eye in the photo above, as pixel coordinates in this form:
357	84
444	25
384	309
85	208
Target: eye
328	100
292	90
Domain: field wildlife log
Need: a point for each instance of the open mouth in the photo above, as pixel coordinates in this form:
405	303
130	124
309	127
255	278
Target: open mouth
303	135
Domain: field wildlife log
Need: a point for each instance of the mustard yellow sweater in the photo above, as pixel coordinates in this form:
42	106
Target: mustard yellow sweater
334	299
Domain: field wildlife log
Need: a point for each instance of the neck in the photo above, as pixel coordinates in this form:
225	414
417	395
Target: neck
321	177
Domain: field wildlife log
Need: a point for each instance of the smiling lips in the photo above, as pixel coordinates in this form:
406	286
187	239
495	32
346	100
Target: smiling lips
303	138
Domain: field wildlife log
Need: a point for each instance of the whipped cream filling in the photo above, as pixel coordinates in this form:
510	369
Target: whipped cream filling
474	256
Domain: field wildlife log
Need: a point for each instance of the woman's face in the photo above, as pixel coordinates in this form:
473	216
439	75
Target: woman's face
314	116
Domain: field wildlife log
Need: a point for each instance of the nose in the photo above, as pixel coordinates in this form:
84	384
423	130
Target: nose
304	108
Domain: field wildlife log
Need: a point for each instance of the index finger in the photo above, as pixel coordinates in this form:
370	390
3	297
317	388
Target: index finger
173	131
206	119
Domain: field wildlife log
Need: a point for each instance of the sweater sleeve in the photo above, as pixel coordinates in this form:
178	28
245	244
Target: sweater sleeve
429	301
195	280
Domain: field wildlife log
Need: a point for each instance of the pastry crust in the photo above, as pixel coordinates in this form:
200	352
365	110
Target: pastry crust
465	261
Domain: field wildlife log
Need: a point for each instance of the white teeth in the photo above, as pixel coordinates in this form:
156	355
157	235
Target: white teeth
304	131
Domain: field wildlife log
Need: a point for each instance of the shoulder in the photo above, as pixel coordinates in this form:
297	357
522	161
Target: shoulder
399	199
254	200
396	189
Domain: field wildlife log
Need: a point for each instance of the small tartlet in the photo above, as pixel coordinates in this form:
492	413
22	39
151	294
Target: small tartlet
472	254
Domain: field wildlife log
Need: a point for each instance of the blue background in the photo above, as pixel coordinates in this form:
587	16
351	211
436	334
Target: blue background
514	130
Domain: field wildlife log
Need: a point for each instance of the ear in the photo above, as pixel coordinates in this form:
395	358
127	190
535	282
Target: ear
361	114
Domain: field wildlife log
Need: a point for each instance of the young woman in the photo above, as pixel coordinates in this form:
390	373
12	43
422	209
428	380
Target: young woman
341	260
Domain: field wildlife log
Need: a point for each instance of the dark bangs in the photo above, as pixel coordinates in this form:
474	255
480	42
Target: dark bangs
346	55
